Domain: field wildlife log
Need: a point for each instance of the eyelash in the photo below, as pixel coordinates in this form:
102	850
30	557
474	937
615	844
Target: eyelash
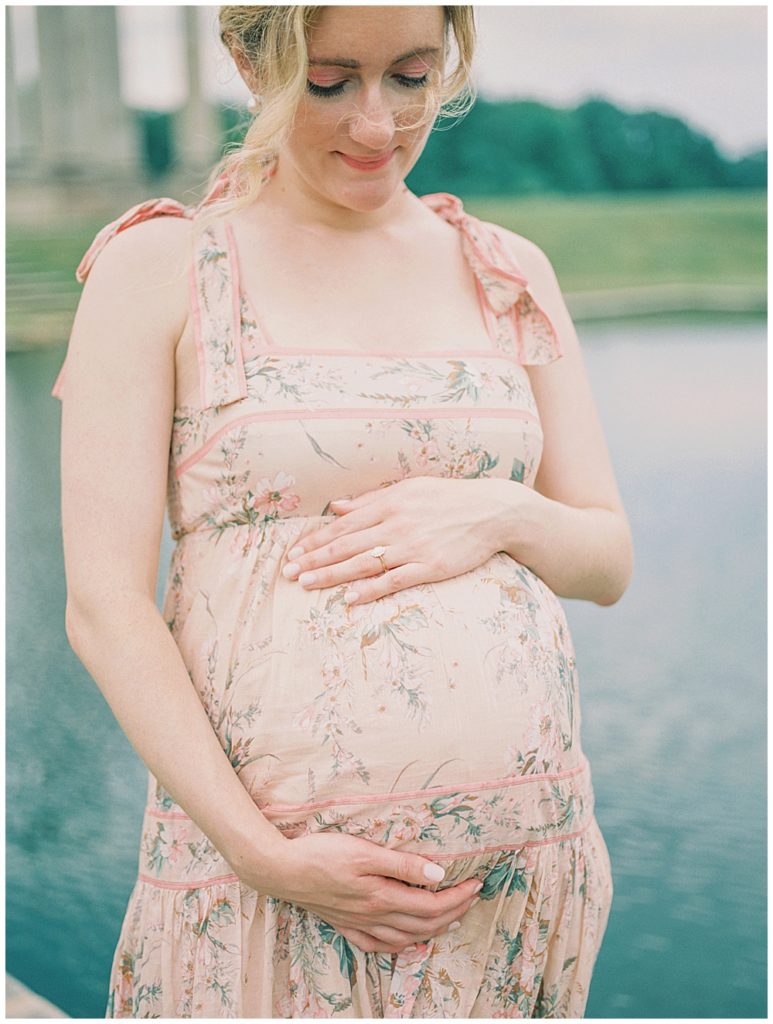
337	89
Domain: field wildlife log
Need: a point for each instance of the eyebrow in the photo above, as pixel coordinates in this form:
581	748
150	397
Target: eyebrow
343	62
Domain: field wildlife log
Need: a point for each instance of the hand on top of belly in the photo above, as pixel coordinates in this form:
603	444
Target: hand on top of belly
367	892
426	528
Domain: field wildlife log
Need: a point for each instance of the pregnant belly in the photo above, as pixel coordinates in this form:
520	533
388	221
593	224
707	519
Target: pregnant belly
463	681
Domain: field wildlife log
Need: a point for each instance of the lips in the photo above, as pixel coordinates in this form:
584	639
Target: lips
367	163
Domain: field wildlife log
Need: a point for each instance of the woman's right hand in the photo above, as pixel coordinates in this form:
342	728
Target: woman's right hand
366	891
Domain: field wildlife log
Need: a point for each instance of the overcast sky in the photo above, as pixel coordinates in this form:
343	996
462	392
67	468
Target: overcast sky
706	64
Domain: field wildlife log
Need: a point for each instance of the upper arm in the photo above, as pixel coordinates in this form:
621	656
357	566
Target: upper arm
117	410
576	468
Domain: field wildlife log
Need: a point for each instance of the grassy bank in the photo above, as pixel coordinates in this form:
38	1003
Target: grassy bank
637	253
643	238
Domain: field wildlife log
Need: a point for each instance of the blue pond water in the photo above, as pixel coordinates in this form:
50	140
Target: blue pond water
672	681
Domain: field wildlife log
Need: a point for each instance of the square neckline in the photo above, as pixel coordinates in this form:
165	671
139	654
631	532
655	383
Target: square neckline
269	346
245	310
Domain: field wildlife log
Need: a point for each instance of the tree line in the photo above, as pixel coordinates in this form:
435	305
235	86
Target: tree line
524	147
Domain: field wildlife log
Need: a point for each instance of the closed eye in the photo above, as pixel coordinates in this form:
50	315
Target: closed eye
409	81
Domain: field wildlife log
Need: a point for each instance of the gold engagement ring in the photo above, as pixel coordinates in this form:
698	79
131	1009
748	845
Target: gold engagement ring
378	552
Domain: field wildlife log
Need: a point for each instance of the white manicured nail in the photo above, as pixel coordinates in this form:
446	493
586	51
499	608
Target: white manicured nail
434	872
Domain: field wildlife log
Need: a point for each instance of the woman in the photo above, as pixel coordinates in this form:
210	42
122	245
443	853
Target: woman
367	795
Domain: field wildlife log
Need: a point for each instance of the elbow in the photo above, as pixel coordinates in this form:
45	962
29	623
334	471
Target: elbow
92	615
607	600
85	618
620	579
73	626
69	623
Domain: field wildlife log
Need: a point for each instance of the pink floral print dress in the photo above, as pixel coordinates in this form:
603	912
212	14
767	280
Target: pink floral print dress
442	720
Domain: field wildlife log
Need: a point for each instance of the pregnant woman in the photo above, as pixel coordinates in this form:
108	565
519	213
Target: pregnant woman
368	415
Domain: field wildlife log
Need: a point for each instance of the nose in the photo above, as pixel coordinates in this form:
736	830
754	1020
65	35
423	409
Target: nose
372	123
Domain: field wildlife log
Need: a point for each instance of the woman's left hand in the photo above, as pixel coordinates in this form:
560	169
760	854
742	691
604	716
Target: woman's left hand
432	528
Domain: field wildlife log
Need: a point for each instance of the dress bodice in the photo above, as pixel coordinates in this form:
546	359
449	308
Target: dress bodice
278	432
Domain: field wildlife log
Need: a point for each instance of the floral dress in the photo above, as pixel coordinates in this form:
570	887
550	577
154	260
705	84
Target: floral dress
443	720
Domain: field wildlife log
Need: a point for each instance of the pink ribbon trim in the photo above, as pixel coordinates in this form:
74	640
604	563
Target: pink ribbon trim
142	211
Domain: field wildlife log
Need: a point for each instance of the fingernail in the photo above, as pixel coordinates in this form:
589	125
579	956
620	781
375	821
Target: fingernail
434	872
477	887
350	595
340	501
290	569
306	578
295	552
454	925
409	949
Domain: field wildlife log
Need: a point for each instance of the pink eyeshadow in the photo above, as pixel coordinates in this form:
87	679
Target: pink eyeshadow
323	79
416	67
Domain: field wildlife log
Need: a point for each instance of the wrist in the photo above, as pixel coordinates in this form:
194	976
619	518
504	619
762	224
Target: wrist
517	519
256	852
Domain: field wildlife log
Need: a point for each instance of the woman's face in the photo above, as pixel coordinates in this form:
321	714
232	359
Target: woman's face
364	70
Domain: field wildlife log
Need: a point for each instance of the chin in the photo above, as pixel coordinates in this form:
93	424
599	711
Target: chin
369	198
369	195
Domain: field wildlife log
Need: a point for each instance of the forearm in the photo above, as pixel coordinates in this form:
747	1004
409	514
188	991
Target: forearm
130	653
583	553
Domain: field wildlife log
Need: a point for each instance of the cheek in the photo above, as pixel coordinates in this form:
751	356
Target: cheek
306	149
315	129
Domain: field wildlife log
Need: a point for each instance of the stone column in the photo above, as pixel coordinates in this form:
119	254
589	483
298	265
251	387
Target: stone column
13	136
198	140
85	128
58	90
111	139
26	99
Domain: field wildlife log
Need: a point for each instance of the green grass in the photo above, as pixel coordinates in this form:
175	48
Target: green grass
41	290
644	238
49	247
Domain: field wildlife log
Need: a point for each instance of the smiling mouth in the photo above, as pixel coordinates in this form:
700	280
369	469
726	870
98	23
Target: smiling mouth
369	159
366	163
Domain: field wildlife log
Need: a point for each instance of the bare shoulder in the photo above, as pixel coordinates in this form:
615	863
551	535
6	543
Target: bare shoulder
132	313
140	275
153	245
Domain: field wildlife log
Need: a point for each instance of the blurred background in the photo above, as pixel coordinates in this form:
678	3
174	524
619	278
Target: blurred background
630	143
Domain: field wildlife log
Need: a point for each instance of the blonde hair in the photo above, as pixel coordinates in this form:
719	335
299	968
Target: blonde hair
273	40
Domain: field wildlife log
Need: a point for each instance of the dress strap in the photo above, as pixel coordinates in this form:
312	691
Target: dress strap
524	326
215	301
520	326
